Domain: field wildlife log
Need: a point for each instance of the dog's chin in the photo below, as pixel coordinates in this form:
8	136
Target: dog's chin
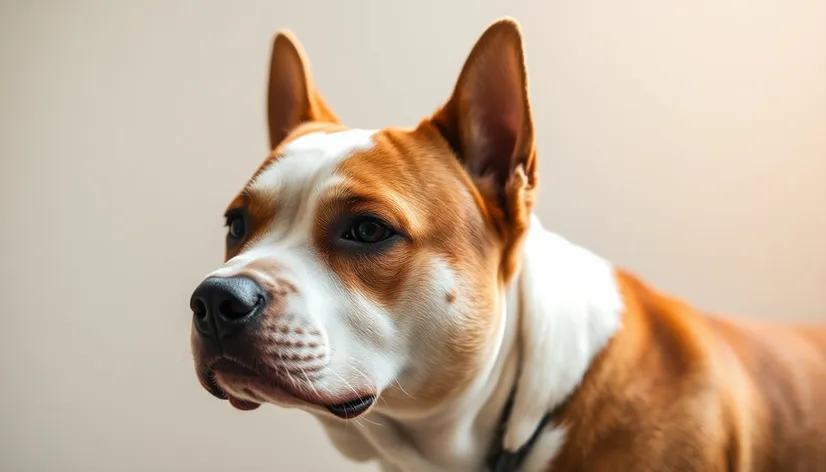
246	390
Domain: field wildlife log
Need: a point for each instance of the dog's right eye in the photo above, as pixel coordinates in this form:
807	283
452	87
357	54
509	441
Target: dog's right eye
368	231
236	228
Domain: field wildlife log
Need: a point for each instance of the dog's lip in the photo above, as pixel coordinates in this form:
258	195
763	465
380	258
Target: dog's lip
243	405
211	385
352	408
223	366
228	366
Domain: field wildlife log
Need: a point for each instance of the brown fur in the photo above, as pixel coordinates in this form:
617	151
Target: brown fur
677	390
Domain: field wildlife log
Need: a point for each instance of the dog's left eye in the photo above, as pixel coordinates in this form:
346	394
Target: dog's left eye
368	231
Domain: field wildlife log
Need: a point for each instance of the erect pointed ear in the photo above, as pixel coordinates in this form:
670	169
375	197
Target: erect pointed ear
291	97
488	119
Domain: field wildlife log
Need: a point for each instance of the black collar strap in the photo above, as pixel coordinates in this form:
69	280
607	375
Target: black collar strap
500	460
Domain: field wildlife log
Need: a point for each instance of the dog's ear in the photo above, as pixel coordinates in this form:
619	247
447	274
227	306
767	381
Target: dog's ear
488	119
488	123
291	97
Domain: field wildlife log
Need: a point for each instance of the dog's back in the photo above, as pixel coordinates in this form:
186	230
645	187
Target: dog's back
786	370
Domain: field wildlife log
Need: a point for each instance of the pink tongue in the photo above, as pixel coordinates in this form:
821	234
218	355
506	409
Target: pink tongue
243	405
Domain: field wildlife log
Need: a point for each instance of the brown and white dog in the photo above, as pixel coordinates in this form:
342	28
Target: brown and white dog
397	279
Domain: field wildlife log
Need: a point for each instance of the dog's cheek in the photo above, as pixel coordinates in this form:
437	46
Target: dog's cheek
381	277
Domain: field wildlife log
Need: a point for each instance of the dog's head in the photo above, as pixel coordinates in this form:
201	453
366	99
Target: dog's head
365	264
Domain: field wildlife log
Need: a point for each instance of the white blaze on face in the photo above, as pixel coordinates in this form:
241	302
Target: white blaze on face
299	177
296	180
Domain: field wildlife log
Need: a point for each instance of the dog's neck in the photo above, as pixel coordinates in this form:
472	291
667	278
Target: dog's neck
559	312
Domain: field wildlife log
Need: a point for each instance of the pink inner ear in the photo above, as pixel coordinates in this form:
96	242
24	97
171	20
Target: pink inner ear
494	103
494	143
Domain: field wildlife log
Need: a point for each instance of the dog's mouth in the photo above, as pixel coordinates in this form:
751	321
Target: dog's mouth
249	383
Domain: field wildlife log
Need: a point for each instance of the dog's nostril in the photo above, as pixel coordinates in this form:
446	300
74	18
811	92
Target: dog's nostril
198	308
235	308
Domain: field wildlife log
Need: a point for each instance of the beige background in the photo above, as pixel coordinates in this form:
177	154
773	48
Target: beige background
684	140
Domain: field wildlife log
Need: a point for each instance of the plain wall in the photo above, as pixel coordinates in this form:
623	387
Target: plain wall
686	141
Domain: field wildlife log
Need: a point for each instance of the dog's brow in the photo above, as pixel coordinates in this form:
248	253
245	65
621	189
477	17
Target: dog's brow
385	204
241	200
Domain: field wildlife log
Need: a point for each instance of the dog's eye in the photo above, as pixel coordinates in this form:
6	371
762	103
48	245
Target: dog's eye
368	231
236	230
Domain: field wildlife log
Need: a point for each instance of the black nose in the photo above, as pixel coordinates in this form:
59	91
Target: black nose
223	305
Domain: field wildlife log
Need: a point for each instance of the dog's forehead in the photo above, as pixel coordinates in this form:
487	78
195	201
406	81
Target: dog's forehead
409	178
308	162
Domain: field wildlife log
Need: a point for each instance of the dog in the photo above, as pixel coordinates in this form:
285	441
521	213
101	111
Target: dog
399	279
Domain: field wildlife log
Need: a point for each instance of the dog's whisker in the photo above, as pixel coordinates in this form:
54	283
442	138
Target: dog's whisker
346	383
370	421
307	377
357	422
187	356
399	384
